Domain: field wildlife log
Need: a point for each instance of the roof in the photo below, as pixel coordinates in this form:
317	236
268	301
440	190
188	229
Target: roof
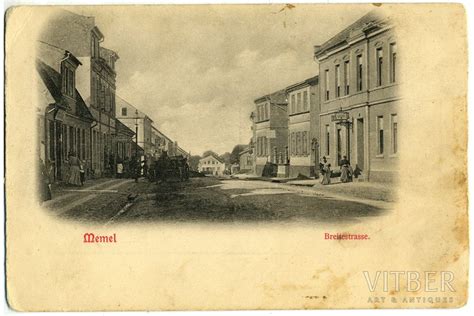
214	156
278	97
161	133
107	53
123	128
356	27
246	150
121	103
135	146
52	80
308	82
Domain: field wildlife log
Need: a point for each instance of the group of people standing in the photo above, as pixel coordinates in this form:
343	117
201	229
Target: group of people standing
347	172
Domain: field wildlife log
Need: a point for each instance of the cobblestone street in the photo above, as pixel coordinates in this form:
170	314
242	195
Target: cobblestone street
208	199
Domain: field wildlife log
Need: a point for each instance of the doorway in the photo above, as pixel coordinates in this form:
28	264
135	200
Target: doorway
360	143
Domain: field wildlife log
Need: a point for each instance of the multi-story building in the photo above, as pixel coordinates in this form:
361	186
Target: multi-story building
358	70
303	127
271	130
131	117
95	79
64	119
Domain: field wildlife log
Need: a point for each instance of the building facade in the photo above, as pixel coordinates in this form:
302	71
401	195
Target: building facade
131	117
303	127
271	130
95	79
65	122
211	165
359	97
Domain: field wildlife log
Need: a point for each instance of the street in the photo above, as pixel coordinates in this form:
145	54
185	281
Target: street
207	199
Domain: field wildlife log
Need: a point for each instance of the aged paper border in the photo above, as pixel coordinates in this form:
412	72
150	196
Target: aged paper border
449	181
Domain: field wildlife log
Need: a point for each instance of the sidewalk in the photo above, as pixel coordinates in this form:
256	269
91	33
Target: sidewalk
362	190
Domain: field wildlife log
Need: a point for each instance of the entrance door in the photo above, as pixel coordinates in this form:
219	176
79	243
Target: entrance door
360	143
339	146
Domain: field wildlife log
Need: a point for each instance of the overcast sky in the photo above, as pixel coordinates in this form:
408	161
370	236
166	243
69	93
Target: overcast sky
196	70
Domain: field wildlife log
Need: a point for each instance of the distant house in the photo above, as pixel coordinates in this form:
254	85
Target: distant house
211	165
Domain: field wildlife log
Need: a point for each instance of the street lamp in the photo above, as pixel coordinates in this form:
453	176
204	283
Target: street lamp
137	161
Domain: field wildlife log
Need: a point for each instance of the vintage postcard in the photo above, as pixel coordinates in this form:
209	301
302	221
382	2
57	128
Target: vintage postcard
229	157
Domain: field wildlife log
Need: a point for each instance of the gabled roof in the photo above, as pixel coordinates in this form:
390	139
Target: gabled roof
356	27
52	80
214	156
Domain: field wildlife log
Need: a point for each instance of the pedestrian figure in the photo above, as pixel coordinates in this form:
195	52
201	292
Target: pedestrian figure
357	172
145	167
326	172
119	169
74	169
346	175
82	172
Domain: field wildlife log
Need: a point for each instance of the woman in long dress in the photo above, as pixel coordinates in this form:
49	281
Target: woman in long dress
327	173
74	170
345	172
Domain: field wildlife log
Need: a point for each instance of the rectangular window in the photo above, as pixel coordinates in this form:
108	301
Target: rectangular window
379	66
124	111
380	136
338	81
298	104
359	72
293	104
393	62
326	83
51	142
83	143
293	144
78	146
305	101
72	137
346	77
298	143
394	134
265	146
327	140
305	143
266	111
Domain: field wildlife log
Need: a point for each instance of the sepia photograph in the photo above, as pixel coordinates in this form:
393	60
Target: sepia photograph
197	127
236	157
